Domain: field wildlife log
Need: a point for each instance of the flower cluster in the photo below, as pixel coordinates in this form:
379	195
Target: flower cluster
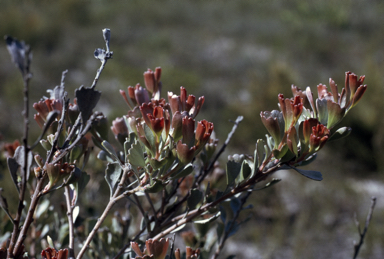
167	130
303	125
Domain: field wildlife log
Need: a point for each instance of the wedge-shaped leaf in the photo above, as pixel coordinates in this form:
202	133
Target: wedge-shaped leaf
13	166
128	143
335	113
155	186
280	153
183	172
20	158
105	156
233	170
309	160
151	138
245	171
322	110
87	98
260	152
80	185
340	133
194	199
112	175
109	148
4	204
136	155
314	175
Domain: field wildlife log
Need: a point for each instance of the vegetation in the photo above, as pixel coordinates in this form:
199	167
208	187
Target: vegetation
226	49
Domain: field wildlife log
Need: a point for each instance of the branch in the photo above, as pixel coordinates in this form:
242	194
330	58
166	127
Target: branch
362	234
70	221
16	222
229	230
110	204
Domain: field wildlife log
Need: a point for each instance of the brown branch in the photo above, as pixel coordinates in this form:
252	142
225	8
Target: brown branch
362	234
70	221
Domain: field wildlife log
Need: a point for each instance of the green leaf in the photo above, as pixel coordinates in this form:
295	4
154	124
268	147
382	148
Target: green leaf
322	110
112	175
280	153
128	143
309	160
156	186
109	148
150	136
260	152
194	199
188	169
314	175
105	156
233	170
340	133
245	171
136	155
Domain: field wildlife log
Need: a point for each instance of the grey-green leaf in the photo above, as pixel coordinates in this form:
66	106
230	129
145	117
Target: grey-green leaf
340	133
112	175
135	155
233	170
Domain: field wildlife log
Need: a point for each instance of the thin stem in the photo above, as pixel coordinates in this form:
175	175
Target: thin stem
229	230
110	204
70	221
16	221
183	219
362	234
222	149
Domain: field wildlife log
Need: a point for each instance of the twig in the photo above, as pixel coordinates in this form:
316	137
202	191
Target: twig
109	206
70	221
107	55
228	231
362	234
16	221
223	147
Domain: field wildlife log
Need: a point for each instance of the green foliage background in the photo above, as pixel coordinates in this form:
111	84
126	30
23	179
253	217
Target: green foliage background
239	55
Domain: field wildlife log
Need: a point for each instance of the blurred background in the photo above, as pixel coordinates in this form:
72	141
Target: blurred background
240	55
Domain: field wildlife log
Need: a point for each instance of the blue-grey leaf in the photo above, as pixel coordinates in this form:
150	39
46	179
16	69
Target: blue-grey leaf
314	175
87	98
19	52
20	157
